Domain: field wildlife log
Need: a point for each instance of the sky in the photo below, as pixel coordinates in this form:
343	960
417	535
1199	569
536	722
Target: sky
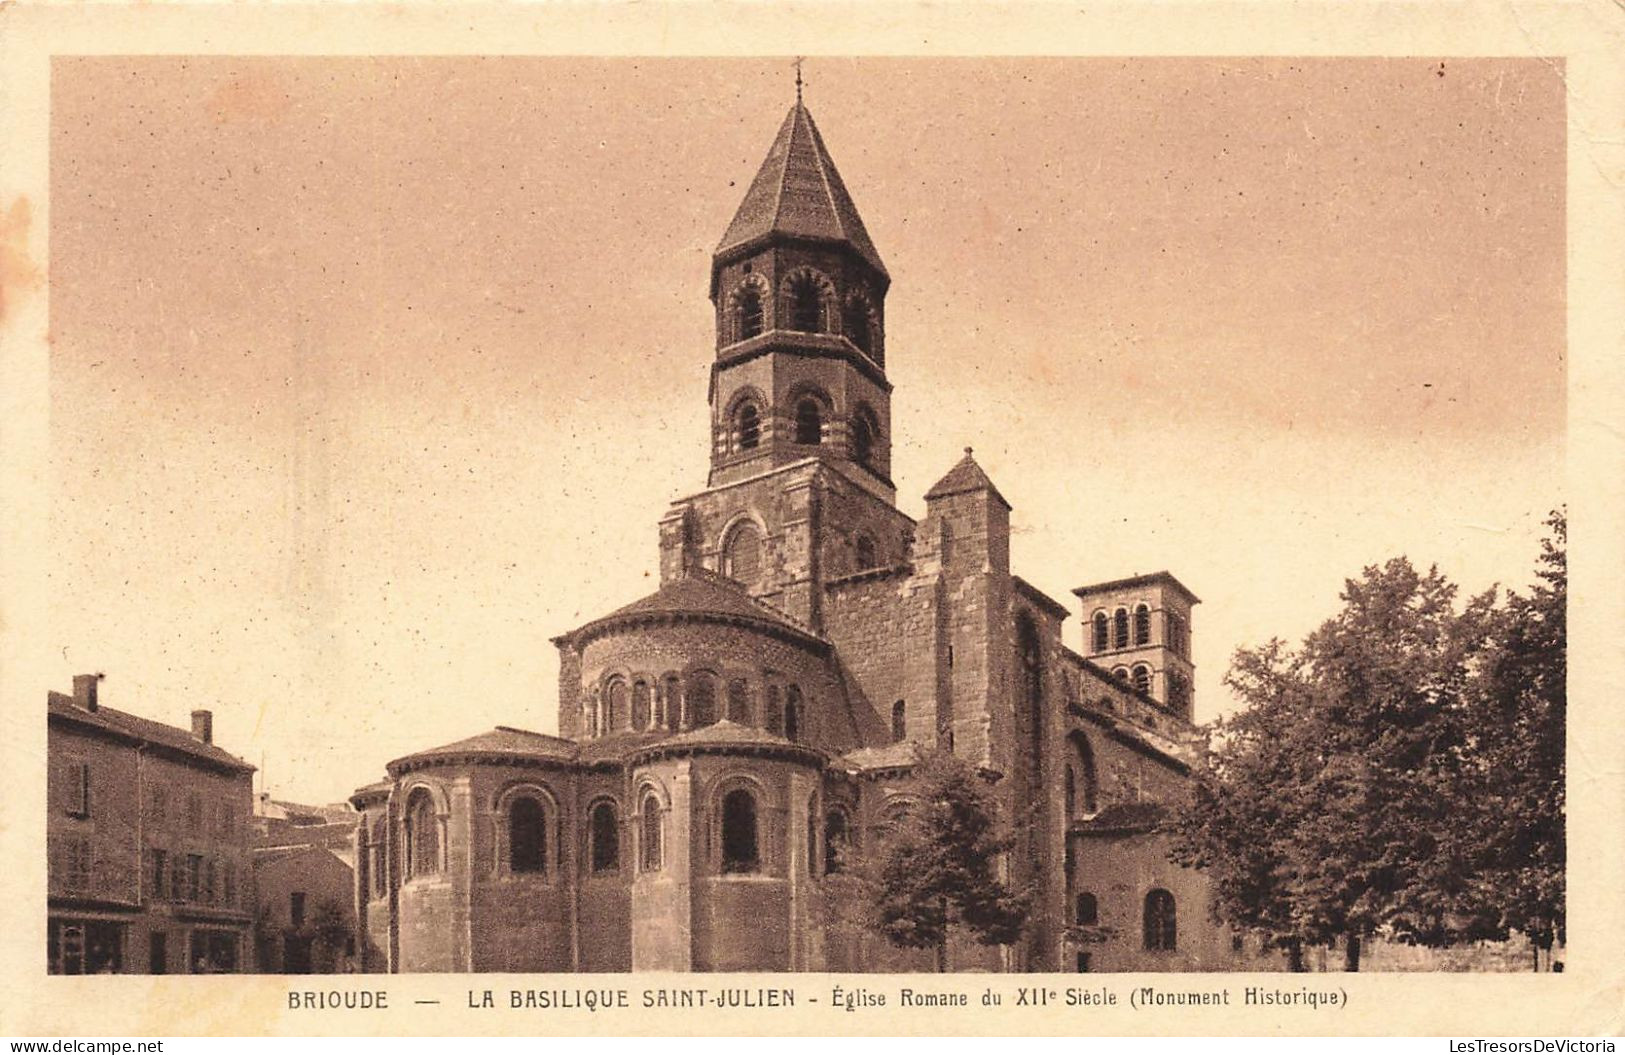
369	376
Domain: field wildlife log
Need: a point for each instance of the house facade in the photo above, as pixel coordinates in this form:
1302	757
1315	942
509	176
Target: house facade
148	834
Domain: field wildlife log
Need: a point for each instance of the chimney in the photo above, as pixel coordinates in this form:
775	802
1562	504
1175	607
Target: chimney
84	690
203	726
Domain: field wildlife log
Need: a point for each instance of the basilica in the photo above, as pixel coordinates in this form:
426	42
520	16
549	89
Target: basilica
733	742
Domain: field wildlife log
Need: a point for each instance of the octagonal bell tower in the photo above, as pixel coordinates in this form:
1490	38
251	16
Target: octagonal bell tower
799	291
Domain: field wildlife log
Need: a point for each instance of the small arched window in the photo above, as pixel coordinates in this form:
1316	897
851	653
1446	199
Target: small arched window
1086	911
604	838
1142	624
672	701
738	702
809	422
739	849
422	835
806	305
702	700
1120	628
1178	640
1142	677
863	439
527	835
649	833
864	550
747	427
855	323
1102	624
1161	926
1120	673
614	716
773	720
742	555
792	715
750	313
835	841
641	708
899	721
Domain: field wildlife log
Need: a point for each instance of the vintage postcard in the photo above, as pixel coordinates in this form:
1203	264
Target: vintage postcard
812	519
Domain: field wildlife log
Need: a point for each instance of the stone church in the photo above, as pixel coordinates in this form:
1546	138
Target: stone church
731	743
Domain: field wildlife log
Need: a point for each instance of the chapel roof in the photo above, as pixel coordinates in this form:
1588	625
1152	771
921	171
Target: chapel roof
702	594
798	193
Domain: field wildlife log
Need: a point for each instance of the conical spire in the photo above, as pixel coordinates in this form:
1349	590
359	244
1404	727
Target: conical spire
798	193
964	478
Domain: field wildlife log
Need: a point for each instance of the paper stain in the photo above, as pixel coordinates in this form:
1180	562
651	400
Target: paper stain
18	272
250	97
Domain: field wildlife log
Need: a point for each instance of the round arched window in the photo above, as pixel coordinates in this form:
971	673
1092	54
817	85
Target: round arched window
809	422
742	556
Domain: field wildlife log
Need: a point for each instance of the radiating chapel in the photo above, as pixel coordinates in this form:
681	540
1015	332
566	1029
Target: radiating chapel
732	743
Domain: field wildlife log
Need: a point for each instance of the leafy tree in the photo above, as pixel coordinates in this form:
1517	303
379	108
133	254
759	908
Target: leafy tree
1520	722
936	871
1326	808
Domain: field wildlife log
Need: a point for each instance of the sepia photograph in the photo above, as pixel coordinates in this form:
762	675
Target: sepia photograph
599	521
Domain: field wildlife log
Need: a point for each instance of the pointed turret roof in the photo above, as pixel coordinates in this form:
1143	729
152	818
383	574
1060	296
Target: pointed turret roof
797	192
964	478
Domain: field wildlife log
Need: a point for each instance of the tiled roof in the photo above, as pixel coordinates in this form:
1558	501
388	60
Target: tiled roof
143	729
724	733
705	593
964	478
501	741
798	192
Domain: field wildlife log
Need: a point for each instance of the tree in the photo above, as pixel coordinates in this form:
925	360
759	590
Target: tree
1520	718
936	870
1327	807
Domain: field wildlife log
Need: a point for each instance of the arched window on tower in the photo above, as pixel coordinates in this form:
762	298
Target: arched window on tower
742	554
750	313
863	439
1142	624
1102	630
739	851
806	305
1120	673
642	710
527	836
809	422
604	837
899	721
1142	677
1120	628
1086	910
1161	926
747	427
702	700
855	323
422	835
